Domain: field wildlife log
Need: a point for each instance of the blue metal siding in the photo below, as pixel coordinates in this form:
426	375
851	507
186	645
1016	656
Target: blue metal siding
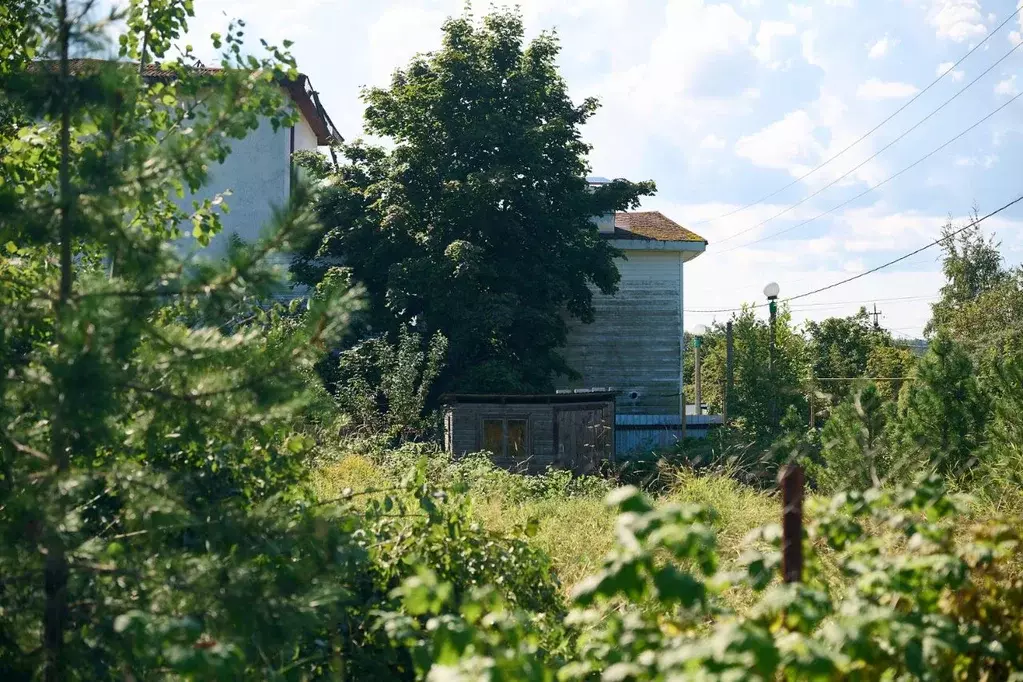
645	432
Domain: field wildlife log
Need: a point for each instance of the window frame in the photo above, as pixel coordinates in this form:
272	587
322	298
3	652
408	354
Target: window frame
504	419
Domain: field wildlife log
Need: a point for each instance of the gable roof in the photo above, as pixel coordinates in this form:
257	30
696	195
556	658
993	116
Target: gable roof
652	225
306	99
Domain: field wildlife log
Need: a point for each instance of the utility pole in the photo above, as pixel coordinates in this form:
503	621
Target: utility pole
698	332
771	291
729	381
876	314
698	382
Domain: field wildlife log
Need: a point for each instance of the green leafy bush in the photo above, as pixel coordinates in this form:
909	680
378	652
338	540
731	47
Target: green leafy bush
916	602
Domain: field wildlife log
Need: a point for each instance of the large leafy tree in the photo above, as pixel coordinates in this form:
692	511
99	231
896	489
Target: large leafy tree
981	304
755	385
842	347
477	221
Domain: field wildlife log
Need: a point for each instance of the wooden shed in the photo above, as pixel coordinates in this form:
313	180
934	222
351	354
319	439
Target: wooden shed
527	433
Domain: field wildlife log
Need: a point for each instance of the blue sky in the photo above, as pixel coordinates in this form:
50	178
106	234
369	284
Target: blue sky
722	103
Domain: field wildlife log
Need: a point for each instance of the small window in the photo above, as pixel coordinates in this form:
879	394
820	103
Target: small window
506	437
493	436
516	437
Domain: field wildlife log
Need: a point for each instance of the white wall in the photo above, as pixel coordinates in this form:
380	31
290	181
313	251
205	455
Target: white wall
257	171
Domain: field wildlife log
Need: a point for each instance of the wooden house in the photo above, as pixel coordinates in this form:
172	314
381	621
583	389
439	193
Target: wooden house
528	433
635	342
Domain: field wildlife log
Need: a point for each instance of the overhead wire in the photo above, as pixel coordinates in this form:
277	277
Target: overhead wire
878	185
869	132
946	237
871	157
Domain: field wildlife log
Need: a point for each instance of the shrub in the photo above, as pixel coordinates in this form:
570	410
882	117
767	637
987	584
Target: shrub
921	605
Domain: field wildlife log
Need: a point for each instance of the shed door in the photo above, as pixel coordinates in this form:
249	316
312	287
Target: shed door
584	437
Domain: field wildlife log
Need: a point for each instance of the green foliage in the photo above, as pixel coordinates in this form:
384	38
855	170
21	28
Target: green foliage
754	384
981	303
1003	456
477	223
890	362
921	606
843	347
854	451
942	413
383	388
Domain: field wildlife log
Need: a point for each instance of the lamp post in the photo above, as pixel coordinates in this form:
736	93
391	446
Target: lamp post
771	291
698	333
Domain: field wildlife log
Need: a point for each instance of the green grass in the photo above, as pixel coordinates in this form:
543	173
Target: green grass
576	528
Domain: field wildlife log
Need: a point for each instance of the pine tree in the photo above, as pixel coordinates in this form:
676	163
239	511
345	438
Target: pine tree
943	412
150	440
853	453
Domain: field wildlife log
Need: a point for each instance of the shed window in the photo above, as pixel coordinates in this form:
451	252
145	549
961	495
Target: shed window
506	437
516	437
493	436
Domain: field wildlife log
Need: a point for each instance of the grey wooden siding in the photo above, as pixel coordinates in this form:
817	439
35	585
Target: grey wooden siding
466	432
563	433
633	343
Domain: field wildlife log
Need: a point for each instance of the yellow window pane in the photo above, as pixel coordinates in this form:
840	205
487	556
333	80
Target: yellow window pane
493	436
517	438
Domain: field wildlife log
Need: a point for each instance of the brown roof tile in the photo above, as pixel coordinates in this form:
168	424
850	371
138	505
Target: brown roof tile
652	225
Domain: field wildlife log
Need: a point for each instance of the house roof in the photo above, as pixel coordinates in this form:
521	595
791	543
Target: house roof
652	225
577	396
306	99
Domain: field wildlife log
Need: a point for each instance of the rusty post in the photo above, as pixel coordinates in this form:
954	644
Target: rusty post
791	482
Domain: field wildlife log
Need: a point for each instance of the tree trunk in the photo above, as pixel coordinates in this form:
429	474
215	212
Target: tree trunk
55	572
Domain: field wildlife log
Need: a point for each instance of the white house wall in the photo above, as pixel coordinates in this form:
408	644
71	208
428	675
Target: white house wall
633	345
256	172
305	138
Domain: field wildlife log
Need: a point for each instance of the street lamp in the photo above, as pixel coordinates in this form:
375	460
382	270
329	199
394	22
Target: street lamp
771	291
698	332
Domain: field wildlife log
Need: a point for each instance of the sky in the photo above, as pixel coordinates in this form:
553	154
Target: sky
722	104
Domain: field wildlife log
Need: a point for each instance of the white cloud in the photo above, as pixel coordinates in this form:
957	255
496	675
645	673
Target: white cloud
958	20
787	144
1017	36
877	89
1007	87
674	89
986	161
400	33
808	41
880	48
767	36
802	13
712	142
956	76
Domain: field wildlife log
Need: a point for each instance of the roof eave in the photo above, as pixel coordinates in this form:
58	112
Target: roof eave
309	105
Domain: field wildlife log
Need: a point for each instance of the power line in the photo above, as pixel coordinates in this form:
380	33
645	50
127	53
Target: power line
872	300
946	237
866	134
874	155
878	185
